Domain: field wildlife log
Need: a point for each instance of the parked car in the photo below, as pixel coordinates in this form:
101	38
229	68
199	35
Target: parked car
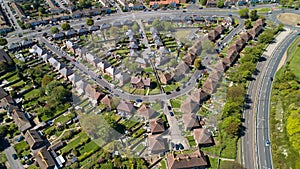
139	100
20	138
171	113
169	108
180	146
14	156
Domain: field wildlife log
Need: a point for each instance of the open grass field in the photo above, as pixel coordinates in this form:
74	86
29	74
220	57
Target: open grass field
294	58
289	18
283	153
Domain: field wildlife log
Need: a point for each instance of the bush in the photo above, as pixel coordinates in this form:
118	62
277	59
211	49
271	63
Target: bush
3	41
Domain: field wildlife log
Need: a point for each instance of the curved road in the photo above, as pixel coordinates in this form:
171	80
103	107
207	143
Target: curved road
264	156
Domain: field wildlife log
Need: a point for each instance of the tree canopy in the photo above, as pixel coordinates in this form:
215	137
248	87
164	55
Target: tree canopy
54	30
253	15
244	13
65	26
3	41
89	21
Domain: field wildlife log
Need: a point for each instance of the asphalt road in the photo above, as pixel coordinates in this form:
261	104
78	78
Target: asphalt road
264	155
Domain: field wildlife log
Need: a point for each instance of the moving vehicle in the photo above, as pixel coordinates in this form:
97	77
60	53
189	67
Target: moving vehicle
267	143
14	156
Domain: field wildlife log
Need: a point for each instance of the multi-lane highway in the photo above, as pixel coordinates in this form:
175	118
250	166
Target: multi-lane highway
264	156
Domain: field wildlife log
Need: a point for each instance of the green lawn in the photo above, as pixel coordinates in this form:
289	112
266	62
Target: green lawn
90	146
175	103
32	94
163	164
191	141
73	143
21	147
65	118
294	58
13	78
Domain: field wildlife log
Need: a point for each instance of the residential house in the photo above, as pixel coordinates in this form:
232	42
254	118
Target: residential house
71	46
57	36
71	33
94	28
66	72
203	137
18	10
90	57
133	53
220	29
13	46
215	75
199	96
190	121
74	78
245	36
189	106
181	71
157	144
4	57
44	159
196	48
5	99
231	57
125	108
140	82
220	66
163	2
27	43
112	71
21	120
136	6
57	65
93	94
82	31
45	57
81	52
38	50
105	26
195	160
189	59
123	78
210	86
146	112
34	139
161	60
211	3
80	86
108	102
133	45
213	35
157	126
166	78
141	61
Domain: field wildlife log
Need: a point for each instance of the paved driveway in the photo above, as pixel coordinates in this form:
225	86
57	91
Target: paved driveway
14	164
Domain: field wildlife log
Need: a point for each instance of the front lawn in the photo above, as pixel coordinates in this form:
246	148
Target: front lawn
22	147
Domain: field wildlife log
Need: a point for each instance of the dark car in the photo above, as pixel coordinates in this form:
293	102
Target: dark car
14	156
139	100
20	138
169	108
180	146
176	146
171	113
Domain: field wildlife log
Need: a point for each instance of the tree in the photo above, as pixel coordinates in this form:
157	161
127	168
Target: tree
46	79
3	41
3	131
60	94
266	37
27	25
135	26
232	125
203	2
197	63
65	26
54	30
244	13
293	128
220	3
89	21
157	24
50	86
253	15
248	24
